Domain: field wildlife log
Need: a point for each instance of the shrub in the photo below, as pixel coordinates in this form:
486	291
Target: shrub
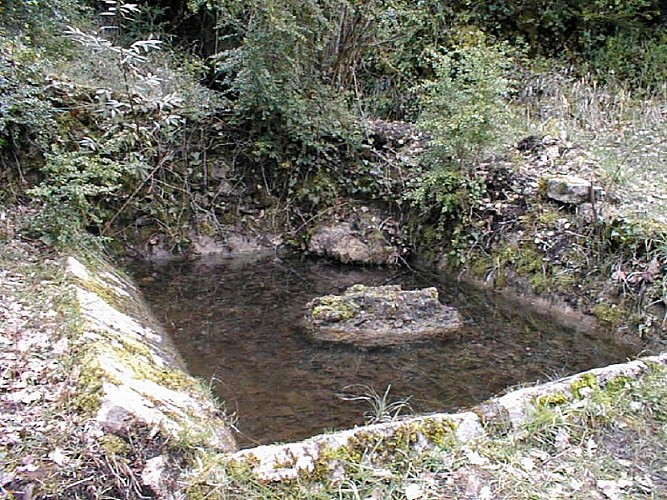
464	110
78	191
25	114
464	106
277	67
554	27
632	57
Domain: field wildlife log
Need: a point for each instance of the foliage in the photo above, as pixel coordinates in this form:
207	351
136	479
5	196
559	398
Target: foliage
634	57
299	79
382	409
463	112
26	116
444	198
78	193
39	20
597	35
464	106
116	144
277	65
406	34
563	25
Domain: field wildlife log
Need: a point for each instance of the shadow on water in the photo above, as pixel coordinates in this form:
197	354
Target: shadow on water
236	322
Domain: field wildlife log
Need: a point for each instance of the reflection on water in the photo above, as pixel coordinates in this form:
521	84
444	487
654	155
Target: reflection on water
236	322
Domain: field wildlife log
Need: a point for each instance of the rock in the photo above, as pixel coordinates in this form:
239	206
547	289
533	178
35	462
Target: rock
571	190
319	454
342	242
363	237
380	316
133	376
160	478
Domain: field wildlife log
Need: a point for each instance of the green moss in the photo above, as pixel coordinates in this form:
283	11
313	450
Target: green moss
480	265
439	432
379	447
287	463
106	293
403	438
563	280
140	362
586	381
540	283
542	187
617	385
610	315
528	261
207	229
334	308
134	348
548	217
321	471
115	445
555	399
525	260
89	383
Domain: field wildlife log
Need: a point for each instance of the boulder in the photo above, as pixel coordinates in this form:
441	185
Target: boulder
571	190
362	237
344	243
380	316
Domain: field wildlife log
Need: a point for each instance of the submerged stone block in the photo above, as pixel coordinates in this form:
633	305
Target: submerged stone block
380	316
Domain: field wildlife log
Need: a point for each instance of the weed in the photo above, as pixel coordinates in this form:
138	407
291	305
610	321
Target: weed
382	408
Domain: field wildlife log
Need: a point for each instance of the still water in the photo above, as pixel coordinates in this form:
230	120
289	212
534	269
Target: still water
236	323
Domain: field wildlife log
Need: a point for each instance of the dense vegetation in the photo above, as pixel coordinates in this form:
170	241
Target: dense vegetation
116	112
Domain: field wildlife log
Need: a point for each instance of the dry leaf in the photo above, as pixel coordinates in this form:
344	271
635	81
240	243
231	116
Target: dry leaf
58	456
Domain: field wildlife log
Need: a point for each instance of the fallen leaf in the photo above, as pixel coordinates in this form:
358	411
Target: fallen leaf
58	456
562	439
613	489
413	492
475	458
527	463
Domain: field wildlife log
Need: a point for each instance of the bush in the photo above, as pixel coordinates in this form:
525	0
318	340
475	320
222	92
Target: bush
632	57
78	192
553	27
464	111
25	114
279	67
464	107
406	33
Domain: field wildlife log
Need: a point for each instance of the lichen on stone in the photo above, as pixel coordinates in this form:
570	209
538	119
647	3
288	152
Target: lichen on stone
582	383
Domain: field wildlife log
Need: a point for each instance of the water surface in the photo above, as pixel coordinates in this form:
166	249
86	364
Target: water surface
236	322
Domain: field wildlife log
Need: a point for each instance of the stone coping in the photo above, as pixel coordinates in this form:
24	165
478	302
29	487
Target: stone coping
324	453
131	375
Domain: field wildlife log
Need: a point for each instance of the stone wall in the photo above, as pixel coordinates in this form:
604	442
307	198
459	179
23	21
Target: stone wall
135	378
130	374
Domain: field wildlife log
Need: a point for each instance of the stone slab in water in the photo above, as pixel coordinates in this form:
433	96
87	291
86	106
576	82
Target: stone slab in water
380	316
